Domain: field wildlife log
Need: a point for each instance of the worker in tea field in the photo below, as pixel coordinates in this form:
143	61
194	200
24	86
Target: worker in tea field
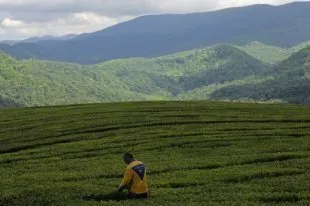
135	179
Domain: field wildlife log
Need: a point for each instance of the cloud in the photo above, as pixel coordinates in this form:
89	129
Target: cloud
124	7
11	23
69	24
25	18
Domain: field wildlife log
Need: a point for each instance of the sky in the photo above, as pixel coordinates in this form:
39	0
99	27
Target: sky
20	19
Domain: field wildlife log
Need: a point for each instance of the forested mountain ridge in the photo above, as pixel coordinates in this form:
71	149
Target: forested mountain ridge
158	35
269	53
290	82
221	72
37	83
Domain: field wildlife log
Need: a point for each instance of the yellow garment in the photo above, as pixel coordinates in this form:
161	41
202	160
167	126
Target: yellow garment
135	178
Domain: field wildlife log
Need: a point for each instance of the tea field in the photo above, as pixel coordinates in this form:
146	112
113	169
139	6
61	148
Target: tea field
197	153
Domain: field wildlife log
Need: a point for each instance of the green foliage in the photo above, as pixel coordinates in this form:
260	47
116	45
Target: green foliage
237	65
205	92
290	83
196	153
36	83
271	54
266	53
223	72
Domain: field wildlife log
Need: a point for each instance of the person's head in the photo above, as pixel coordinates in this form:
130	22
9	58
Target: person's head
128	158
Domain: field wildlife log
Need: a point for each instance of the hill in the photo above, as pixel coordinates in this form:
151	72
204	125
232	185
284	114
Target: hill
34	83
48	37
37	83
196	153
269	53
221	72
158	35
36	39
290	82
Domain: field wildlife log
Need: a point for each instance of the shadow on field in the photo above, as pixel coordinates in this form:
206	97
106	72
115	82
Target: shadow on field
281	198
115	196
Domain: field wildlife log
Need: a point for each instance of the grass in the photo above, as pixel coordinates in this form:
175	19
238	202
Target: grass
197	153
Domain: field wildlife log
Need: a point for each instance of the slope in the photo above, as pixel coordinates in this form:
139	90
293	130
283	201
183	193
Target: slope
11	74
290	82
269	53
222	72
150	36
163	78
36	39
37	83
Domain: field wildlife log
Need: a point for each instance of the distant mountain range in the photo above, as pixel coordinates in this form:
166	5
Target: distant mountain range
221	72
158	35
37	39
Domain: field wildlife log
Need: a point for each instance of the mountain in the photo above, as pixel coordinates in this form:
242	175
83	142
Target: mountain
158	35
33	82
289	82
37	39
48	37
9	42
269	53
220	72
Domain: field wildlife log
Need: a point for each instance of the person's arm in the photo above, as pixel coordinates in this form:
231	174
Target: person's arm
126	181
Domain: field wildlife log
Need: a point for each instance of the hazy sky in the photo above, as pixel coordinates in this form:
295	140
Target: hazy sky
25	18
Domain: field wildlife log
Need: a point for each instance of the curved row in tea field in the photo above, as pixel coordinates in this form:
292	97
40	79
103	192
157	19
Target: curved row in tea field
197	153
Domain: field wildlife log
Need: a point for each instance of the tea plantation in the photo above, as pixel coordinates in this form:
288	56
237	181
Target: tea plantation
197	153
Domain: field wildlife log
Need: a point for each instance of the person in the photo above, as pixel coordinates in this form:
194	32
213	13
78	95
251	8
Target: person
135	179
